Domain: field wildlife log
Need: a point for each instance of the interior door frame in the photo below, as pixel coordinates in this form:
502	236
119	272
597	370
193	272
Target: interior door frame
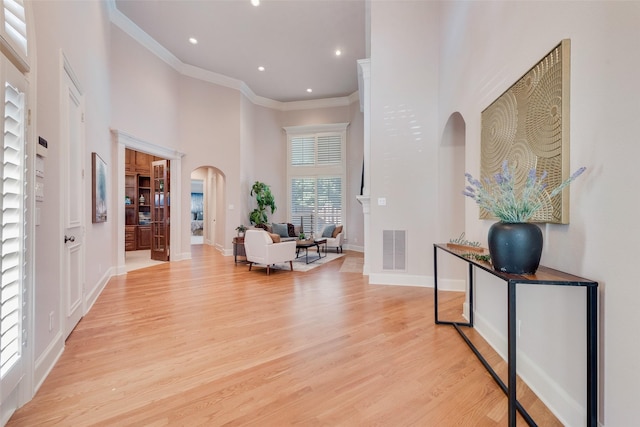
124	140
72	311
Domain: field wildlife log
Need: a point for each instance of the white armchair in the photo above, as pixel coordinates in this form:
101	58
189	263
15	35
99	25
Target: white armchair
260	249
336	240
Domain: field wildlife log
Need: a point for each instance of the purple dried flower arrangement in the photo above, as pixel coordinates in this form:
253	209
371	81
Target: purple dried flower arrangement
503	200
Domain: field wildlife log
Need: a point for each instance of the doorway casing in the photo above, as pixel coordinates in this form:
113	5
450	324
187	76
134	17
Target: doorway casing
123	141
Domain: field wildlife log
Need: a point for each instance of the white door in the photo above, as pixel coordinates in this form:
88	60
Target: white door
72	141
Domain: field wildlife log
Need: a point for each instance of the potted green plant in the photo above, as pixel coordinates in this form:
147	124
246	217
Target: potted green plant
264	200
241	229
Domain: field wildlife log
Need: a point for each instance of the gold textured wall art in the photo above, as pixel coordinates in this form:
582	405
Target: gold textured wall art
528	126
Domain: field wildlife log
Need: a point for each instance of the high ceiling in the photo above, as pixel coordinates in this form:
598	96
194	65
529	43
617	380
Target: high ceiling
294	40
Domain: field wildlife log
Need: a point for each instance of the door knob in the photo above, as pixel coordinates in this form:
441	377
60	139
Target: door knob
69	239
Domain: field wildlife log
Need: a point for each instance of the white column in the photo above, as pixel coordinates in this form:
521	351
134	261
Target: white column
364	82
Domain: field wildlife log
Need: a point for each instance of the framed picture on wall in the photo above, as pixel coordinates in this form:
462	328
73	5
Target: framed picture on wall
98	189
528	126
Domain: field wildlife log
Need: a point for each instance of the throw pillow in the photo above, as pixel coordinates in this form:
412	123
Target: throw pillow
263	226
328	230
292	229
275	237
337	231
281	229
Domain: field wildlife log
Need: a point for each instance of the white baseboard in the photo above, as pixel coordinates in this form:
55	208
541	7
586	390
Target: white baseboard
180	256
416	280
47	360
120	270
91	298
398	279
450	284
560	403
465	310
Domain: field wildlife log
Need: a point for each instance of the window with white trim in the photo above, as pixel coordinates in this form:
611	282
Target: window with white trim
316	171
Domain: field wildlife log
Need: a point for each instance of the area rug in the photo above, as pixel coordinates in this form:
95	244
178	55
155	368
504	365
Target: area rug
352	265
300	265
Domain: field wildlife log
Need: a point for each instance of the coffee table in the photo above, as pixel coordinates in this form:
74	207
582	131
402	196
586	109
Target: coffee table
306	244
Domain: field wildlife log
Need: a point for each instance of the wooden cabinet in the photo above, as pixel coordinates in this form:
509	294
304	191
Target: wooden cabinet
137	190
130	200
144	200
144	237
143	163
129	160
136	161
130	241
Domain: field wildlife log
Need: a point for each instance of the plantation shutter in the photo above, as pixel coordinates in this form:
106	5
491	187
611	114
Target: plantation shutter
316	173
303	199
14	33
302	151
329	201
329	150
12	238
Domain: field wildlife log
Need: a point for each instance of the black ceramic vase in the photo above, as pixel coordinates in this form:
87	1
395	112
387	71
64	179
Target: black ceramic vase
515	247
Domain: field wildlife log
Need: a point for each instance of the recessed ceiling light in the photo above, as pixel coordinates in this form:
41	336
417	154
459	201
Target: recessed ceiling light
255	2
261	68
309	90
338	52
193	40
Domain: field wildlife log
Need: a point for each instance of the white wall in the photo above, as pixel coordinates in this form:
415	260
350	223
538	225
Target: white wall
69	27
209	123
266	161
404	134
354	227
487	46
144	93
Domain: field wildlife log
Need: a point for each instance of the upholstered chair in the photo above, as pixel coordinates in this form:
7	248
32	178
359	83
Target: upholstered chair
334	236
260	249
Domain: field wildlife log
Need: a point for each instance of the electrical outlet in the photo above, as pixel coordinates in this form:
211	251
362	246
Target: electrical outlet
51	321
519	327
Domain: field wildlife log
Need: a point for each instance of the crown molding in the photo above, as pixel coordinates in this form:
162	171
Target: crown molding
327	127
317	103
135	32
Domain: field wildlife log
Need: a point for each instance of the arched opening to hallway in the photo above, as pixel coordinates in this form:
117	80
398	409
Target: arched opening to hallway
207	213
451	182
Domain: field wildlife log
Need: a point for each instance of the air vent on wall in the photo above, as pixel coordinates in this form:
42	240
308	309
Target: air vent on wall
394	250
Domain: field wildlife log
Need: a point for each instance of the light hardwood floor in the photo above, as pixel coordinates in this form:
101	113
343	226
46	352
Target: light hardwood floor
206	342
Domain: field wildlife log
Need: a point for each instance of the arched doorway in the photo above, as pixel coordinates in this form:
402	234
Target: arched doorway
451	182
451	162
207	206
